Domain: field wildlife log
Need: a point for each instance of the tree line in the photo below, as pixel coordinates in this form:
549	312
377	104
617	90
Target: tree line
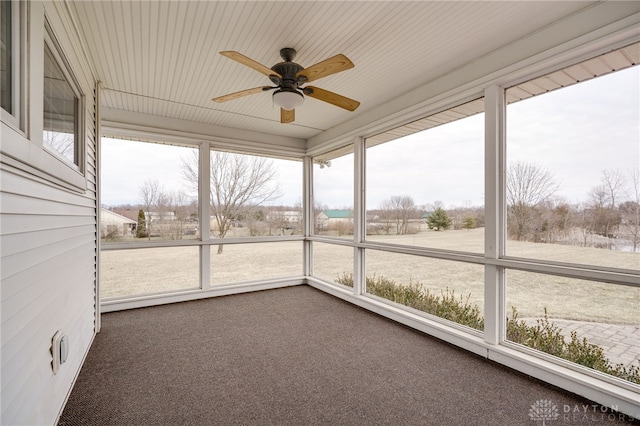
241	186
535	212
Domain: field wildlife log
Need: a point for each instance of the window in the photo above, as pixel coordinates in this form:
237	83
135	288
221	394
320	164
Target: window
586	322
126	273
572	190
6	55
150	213
333	263
61	129
333	194
12	27
450	290
146	196
256	261
253	196
425	181
50	146
573	183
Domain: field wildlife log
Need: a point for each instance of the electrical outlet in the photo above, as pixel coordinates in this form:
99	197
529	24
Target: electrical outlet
59	350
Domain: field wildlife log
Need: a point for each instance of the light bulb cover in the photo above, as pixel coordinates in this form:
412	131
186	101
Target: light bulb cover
288	99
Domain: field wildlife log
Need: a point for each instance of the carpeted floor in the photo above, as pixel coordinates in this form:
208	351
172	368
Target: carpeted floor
297	356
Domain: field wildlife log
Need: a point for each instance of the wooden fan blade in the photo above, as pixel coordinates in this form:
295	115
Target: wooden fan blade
239	57
240	94
332	98
327	67
287	116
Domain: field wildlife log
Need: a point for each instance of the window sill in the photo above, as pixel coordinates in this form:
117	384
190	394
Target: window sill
20	153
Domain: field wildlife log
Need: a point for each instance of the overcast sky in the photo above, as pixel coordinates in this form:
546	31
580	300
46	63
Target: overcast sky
575	133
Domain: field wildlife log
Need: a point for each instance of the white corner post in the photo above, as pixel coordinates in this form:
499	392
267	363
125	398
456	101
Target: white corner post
307	213
98	144
494	288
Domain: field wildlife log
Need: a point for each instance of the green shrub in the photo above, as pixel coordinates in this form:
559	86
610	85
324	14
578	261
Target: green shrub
544	336
415	296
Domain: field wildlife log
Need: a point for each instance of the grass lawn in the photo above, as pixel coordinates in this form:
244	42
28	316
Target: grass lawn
143	271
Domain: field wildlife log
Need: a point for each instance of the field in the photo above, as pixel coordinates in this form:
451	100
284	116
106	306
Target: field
142	271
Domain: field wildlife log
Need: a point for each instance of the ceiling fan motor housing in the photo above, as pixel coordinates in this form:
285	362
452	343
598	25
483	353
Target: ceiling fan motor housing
288	70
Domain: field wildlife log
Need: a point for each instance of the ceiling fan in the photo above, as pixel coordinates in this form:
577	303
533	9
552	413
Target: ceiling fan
288	78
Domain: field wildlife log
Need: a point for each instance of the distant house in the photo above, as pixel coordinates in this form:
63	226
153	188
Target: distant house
129	213
330	219
160	217
115	225
288	218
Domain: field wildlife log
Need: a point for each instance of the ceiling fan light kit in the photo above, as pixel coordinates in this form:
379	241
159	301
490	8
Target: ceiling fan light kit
288	78
288	99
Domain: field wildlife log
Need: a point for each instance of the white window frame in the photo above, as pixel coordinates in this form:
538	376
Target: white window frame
78	150
16	118
22	147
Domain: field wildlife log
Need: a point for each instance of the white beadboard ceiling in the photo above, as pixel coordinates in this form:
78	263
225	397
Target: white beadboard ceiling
161	57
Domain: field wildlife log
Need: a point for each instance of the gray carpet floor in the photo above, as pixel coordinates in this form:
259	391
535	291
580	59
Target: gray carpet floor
297	356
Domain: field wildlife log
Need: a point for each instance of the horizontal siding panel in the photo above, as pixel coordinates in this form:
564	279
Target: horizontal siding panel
24	292
17	223
18	204
16	263
39	272
91	166
61	283
19	243
91	187
18	185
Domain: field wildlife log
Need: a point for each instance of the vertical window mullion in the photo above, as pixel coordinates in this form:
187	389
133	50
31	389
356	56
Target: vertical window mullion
359	215
204	190
494	212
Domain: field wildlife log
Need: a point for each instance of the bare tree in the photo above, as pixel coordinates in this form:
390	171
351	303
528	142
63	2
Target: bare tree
604	199
150	193
400	210
630	210
178	203
62	143
435	206
528	187
237	182
613	182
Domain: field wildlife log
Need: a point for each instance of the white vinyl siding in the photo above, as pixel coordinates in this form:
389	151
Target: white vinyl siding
48	257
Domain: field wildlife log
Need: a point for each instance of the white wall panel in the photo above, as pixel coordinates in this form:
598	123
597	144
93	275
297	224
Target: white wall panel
47	251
